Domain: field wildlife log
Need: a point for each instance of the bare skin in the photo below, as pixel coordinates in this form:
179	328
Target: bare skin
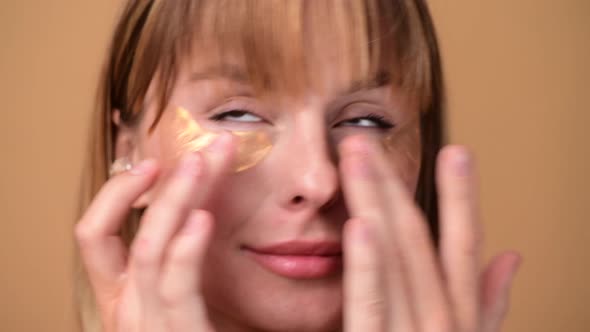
393	278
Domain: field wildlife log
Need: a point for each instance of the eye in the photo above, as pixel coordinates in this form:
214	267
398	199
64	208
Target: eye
237	116
369	121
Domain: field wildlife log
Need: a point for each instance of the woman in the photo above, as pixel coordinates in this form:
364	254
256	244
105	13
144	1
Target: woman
273	170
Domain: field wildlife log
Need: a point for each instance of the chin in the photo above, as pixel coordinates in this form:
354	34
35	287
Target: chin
301	309
256	300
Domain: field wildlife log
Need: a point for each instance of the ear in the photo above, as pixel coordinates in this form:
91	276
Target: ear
126	146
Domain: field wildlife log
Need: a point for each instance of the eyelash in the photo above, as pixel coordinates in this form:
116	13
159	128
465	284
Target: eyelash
380	121
237	112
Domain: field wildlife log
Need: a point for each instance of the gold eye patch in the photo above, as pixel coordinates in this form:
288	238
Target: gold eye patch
182	134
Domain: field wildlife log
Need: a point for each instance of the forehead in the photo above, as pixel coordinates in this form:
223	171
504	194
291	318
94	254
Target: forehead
332	78
288	46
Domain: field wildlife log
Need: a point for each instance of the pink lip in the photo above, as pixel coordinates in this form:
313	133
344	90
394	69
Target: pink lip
298	259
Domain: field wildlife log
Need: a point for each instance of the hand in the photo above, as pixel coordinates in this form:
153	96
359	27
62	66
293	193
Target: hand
155	286
395	280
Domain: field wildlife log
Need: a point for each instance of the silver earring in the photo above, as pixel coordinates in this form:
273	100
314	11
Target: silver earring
120	165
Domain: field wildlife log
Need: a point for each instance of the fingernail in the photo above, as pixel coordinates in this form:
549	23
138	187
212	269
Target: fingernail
356	156
192	224
516	267
462	162
362	233
143	167
359	166
220	142
190	165
357	145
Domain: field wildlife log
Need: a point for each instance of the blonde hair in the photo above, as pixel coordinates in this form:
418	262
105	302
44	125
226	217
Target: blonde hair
275	39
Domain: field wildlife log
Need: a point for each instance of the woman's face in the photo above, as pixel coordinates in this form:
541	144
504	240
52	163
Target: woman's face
275	260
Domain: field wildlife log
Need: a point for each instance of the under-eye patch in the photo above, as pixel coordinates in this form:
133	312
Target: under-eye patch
181	133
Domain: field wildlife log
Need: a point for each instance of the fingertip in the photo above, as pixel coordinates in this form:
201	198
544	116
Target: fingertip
145	167
133	182
191	165
224	140
359	231
458	159
450	150
354	144
223	143
143	172
516	261
509	260
359	146
221	153
203	215
197	222
119	194
505	267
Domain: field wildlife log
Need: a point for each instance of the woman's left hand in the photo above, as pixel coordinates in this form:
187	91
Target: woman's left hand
395	279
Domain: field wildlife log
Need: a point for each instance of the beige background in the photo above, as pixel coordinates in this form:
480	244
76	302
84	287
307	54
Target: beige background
518	77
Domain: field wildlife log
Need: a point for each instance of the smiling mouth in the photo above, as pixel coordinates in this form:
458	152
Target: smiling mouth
298	259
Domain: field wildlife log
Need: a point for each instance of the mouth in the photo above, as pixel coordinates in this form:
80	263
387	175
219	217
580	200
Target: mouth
299	259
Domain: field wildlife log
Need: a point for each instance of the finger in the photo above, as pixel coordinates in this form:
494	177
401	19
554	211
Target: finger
495	291
181	276
366	307
411	234
101	249
364	198
187	189
460	245
366	201
420	264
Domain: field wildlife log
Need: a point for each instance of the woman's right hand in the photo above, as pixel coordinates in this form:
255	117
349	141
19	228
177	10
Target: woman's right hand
155	285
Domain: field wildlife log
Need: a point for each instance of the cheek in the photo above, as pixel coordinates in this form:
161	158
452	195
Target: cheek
409	171
406	168
148	147
239	210
404	150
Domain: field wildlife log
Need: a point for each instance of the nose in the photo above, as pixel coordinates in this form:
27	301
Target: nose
310	175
